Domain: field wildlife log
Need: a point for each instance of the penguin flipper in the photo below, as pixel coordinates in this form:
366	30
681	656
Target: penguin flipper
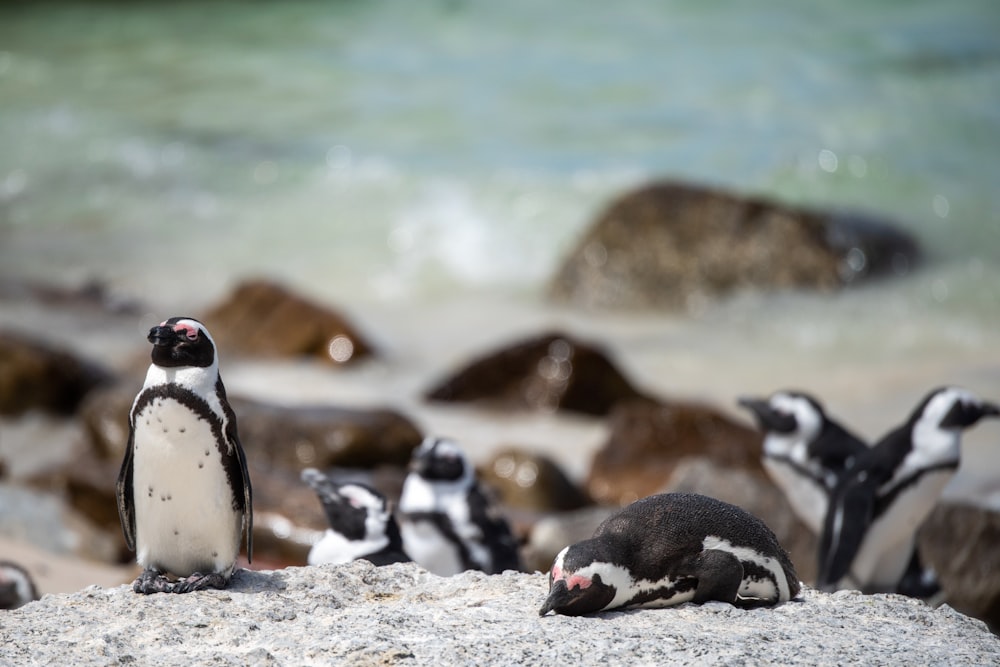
124	495
247	494
496	531
851	512
836	447
719	574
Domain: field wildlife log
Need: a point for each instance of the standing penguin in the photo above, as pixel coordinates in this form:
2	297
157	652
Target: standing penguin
877	507
448	522
672	548
805	451
361	523
183	492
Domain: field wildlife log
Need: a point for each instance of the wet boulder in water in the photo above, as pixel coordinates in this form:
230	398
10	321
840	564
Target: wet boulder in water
668	245
529	481
648	439
262	318
548	372
37	376
962	543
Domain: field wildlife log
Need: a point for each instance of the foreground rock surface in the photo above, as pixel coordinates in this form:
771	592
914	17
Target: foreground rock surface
361	615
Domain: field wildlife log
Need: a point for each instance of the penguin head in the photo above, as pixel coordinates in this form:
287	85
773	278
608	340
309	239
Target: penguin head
16	586
355	510
576	586
181	342
791	413
441	460
954	408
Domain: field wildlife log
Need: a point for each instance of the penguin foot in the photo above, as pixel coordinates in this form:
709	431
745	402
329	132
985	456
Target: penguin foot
151	581
199	582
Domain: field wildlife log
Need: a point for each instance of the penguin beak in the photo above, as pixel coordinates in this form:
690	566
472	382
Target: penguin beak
162	336
767	417
559	596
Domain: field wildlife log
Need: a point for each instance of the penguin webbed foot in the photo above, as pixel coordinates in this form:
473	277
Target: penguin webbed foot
152	581
199	582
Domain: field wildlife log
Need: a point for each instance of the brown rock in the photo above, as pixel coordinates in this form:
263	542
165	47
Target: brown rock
104	413
530	481
324	436
672	245
962	543
648	439
754	492
36	376
548	372
261	318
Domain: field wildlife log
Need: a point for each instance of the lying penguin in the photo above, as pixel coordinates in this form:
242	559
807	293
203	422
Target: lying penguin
672	548
361	523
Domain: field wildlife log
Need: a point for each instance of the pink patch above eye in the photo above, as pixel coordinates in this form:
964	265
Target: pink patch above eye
576	581
189	331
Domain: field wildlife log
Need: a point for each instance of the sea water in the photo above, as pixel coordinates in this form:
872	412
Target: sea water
425	166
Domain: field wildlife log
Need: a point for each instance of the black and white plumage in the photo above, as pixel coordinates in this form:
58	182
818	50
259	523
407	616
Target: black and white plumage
184	494
448	522
361	523
876	509
805	451
16	586
671	548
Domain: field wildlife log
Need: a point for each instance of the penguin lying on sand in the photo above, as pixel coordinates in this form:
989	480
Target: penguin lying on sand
672	548
448	522
877	507
184	495
361	523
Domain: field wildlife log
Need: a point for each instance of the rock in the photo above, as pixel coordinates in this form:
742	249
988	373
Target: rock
45	521
529	481
547	372
649	438
357	614
35	376
321	436
263	319
91	295
754	492
104	414
962	543
668	245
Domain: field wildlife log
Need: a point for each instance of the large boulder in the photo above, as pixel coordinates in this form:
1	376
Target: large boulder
668	245
962	543
529	481
37	376
264	319
547	372
359	614
649	438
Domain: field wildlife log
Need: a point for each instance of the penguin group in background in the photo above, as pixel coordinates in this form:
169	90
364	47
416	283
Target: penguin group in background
805	451
671	548
361	523
879	503
448	522
16	586
183	492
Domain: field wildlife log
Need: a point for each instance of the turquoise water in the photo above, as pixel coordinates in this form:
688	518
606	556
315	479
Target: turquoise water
394	149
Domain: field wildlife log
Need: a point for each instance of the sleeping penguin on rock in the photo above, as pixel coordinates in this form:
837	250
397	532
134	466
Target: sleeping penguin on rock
668	549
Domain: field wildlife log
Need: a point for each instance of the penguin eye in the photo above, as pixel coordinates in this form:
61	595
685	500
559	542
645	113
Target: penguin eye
191	333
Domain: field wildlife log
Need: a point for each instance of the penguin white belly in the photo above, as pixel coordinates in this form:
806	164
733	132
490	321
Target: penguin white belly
333	548
807	498
426	546
184	515
887	546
